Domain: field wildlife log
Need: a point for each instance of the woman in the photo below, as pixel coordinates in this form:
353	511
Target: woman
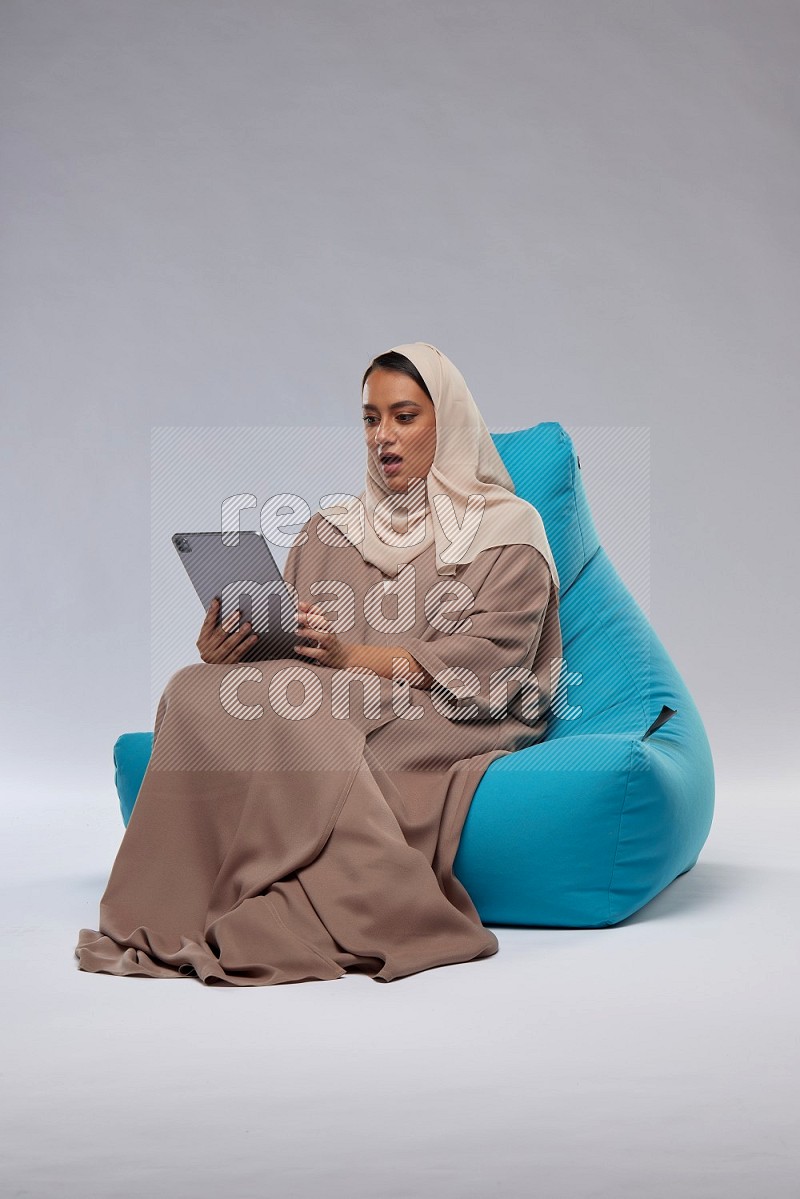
299	818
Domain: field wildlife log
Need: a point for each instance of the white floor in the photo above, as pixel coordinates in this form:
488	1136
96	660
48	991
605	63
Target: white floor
657	1058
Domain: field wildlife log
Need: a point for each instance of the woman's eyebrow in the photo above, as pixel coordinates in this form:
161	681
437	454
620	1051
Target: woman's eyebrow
396	404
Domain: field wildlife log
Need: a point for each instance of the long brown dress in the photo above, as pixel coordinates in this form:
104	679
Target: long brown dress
293	838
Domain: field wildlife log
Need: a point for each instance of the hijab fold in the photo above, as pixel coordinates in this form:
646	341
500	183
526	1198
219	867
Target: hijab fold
467	502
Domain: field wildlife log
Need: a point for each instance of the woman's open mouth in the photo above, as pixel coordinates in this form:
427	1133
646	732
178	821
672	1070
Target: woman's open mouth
390	464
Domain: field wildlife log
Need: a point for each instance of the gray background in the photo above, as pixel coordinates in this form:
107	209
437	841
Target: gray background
215	214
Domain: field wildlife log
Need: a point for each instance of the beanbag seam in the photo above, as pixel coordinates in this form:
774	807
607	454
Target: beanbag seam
610	921
603	627
566	440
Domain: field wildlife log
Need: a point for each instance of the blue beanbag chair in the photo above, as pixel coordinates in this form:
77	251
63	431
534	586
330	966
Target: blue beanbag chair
585	827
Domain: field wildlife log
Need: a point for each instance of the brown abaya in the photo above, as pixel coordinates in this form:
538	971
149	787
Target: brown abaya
282	834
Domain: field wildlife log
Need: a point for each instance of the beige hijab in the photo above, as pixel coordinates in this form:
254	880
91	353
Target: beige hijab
467	502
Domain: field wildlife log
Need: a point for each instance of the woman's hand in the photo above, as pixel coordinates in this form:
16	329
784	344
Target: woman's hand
329	651
216	643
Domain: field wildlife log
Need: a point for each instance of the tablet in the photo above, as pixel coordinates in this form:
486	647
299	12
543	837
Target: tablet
244	576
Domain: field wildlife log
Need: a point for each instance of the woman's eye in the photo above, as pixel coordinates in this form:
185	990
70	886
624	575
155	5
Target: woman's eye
403	416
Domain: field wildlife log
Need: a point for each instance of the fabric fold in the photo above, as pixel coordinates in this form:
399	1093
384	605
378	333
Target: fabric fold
305	841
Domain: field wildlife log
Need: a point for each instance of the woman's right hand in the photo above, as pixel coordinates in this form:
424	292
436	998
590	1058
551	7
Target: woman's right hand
216	643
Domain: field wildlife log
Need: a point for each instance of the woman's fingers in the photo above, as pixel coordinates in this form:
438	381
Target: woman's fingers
223	642
235	652
317	650
211	614
207	627
230	621
311	618
232	649
217	637
231	636
234	640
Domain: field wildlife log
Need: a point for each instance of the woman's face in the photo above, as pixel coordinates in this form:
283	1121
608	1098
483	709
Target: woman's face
399	420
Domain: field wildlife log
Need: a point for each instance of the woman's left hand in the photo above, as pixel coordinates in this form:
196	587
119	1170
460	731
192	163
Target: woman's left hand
330	650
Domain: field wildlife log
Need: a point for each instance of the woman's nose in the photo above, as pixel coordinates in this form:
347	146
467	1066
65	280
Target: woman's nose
383	436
